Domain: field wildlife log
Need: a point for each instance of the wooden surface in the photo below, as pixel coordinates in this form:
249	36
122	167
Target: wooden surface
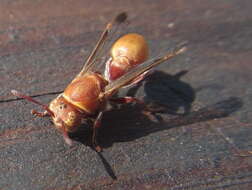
43	45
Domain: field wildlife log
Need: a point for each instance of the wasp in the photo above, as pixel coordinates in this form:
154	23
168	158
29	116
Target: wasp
89	93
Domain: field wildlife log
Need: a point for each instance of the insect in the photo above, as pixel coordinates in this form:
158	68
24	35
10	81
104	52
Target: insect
87	96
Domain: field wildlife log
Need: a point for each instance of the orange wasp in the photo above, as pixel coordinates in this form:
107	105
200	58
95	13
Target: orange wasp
89	93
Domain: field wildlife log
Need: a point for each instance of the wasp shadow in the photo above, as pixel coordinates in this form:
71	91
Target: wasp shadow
169	95
168	92
130	123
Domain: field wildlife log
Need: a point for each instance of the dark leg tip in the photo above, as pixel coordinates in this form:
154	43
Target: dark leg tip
97	148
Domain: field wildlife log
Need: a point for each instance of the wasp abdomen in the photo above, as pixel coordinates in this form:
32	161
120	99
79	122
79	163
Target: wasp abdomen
127	52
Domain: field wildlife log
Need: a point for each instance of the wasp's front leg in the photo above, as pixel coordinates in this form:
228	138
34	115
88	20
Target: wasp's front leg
40	114
96	127
66	137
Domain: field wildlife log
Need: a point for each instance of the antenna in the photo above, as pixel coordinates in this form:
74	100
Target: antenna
30	99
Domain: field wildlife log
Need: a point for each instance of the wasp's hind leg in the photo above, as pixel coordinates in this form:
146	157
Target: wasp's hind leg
148	111
126	100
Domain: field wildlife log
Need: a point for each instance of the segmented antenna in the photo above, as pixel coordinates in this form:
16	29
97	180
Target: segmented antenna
30	99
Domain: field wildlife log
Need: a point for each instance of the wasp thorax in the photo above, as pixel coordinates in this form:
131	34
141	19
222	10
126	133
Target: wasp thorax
65	114
127	52
84	92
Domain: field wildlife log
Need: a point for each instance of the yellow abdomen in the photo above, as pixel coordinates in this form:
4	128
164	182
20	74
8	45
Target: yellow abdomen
133	46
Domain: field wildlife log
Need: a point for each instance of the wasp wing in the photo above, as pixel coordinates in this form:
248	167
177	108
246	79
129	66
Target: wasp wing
98	50
138	70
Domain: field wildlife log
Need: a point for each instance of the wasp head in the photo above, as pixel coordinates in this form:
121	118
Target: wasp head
65	114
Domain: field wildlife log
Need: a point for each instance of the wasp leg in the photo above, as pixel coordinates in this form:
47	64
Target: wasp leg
150	113
62	128
96	126
66	137
126	100
40	114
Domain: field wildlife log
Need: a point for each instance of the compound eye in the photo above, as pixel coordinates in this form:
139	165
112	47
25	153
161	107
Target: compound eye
62	106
